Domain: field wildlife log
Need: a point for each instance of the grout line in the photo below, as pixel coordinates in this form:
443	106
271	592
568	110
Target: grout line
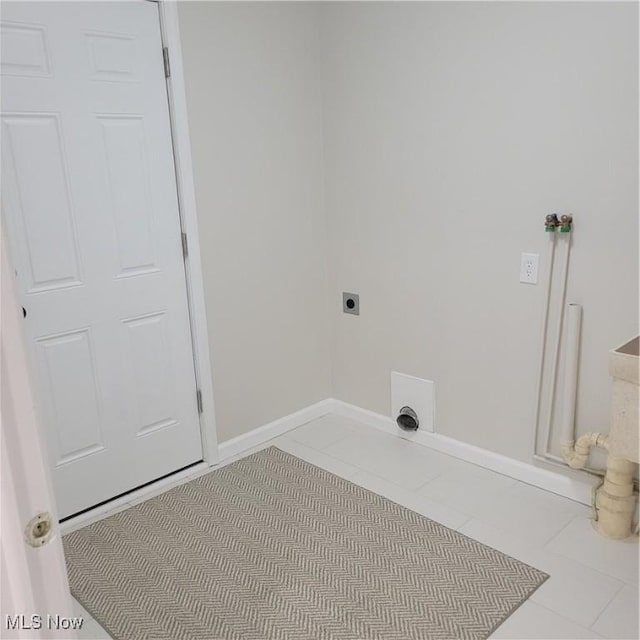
547	542
327	446
544	543
622	581
407	494
413	490
351	466
606	606
465	523
573	622
426	482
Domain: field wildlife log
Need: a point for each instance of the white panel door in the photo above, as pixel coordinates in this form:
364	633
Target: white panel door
89	199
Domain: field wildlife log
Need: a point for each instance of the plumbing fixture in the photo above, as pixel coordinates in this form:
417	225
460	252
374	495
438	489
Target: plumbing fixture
541	445
573	319
556	351
551	222
566	222
615	500
569	392
543	343
408	419
576	454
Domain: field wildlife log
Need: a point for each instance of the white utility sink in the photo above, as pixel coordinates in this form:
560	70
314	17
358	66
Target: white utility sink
624	366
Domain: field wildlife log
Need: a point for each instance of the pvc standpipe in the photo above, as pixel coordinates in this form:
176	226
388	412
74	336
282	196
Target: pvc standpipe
572	356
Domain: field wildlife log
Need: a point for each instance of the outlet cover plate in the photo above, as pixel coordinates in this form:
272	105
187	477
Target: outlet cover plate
416	393
529	268
351	303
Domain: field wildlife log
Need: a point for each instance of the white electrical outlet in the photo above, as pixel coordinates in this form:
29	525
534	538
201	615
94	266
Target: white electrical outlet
529	268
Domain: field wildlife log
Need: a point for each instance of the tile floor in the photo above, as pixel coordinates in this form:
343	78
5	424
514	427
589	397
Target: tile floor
593	588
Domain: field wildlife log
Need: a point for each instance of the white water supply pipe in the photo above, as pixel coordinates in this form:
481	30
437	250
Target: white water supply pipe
556	351
543	345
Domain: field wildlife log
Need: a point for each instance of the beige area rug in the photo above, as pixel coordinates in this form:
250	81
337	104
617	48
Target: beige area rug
273	548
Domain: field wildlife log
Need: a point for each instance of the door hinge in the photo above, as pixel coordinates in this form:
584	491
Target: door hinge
199	400
185	245
165	59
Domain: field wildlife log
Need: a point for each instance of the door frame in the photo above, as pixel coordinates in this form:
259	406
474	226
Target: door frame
176	93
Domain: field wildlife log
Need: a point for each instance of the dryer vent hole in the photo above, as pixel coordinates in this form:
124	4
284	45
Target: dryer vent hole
408	419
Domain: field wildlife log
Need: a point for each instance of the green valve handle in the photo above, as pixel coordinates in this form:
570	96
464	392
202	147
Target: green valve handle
551	222
566	223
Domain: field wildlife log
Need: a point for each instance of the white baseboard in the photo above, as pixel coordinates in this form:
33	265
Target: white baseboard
527	473
523	471
557	483
273	429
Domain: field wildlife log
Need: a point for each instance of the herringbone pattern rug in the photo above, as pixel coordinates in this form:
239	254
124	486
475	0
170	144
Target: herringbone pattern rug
274	548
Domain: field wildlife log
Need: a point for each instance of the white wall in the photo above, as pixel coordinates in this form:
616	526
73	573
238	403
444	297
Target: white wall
451	129
432	138
254	107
